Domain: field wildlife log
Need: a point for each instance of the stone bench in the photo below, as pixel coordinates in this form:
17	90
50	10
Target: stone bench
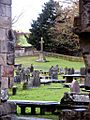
45	106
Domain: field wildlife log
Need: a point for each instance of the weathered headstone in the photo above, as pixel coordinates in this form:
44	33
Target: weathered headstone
83	71
61	70
36	79
31	68
25	85
70	71
75	86
53	72
66	70
50	71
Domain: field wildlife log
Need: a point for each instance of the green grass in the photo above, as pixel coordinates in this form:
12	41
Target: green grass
44	93
26	61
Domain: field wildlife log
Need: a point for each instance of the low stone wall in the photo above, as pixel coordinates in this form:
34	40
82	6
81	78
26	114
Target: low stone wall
28	53
66	57
36	53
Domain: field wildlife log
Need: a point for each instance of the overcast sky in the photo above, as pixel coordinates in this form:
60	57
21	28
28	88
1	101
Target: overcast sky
29	9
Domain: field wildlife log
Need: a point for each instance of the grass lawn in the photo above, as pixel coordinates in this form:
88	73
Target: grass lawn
26	61
44	92
51	92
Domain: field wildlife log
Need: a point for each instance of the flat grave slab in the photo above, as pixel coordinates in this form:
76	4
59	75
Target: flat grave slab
32	118
49	106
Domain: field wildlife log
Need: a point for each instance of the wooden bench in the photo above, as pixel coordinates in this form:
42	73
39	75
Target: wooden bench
45	106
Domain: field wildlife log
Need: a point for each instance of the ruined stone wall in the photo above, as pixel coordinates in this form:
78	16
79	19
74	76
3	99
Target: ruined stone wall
6	64
84	34
5	26
82	29
84	13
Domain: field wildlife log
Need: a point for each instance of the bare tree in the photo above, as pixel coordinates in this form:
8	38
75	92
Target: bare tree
68	1
16	18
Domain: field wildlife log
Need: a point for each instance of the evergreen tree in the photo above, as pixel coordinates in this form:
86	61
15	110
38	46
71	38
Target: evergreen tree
54	24
41	27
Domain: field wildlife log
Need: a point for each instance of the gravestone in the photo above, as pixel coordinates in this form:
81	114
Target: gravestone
41	54
31	68
83	71
50	71
65	70
70	71
75	88
53	72
82	29
61	70
36	78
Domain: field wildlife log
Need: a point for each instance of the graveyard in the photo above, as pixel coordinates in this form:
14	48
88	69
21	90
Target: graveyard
47	92
76	63
45	85
43	65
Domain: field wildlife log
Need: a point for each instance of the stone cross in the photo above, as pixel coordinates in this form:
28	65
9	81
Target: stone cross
41	42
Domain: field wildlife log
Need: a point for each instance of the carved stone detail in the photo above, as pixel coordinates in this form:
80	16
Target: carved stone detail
84	33
85	15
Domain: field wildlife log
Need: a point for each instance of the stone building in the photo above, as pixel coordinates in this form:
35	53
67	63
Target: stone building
7	40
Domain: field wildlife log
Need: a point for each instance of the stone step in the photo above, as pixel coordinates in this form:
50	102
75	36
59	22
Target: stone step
32	118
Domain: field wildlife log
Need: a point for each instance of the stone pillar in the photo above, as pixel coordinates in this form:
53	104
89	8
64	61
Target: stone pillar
82	29
6	58
6	43
85	36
